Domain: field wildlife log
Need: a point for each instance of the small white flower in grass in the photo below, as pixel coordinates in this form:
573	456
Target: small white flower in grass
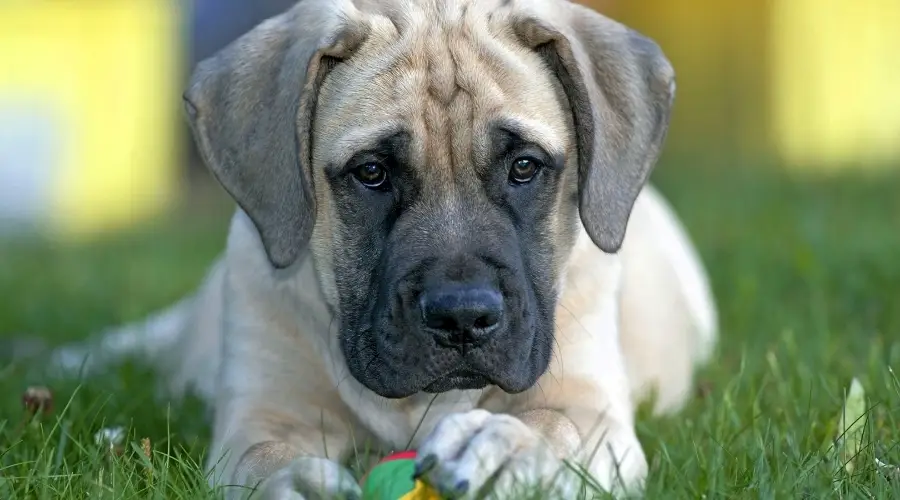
890	471
111	436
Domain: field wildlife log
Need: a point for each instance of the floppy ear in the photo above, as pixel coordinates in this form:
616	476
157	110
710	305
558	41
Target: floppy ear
251	108
620	87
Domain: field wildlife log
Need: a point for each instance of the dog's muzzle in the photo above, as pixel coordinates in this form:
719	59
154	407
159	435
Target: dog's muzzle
461	316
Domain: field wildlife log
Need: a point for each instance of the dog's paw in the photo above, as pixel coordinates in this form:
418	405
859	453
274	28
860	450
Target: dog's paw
309	478
470	454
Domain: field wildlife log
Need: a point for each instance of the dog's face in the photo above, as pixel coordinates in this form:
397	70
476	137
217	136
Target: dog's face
444	177
435	157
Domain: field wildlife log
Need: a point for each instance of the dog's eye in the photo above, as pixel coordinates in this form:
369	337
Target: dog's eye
523	170
372	175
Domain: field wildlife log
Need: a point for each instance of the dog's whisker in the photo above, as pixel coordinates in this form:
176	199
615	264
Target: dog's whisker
412	436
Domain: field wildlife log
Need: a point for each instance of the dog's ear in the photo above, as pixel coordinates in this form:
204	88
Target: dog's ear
251	108
620	87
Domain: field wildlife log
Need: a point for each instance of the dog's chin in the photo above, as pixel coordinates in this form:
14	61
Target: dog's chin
450	382
457	380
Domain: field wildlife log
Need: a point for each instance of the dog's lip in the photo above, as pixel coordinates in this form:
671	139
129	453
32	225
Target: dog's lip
463	379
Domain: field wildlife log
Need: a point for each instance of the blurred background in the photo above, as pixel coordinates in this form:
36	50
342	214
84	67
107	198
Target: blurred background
92	138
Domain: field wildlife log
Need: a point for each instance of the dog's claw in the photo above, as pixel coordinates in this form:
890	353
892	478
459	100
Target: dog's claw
425	465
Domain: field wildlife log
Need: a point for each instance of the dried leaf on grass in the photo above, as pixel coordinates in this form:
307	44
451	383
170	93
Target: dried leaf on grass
851	424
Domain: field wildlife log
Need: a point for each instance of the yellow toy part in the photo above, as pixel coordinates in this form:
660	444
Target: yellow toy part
421	491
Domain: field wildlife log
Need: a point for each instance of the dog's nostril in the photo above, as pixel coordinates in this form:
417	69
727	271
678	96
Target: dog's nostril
485	321
462	313
440	323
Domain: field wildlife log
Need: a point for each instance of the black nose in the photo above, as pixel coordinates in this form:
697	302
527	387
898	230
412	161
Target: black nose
462	314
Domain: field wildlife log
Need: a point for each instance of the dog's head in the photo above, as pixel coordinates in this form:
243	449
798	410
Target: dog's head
436	156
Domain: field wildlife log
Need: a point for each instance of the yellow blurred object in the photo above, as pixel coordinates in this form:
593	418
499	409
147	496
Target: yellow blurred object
836	82
421	492
103	77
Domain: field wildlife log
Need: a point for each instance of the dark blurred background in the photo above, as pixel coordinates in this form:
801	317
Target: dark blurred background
92	139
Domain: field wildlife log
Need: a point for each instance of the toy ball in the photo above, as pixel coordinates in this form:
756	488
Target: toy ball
392	479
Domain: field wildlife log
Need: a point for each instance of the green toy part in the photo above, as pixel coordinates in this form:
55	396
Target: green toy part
392	479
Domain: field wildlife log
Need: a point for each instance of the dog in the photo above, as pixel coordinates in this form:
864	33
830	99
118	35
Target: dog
444	239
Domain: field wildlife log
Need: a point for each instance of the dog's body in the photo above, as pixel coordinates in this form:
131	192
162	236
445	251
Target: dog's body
305	347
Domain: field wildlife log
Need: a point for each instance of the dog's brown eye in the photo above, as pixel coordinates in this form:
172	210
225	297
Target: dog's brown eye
523	170
371	175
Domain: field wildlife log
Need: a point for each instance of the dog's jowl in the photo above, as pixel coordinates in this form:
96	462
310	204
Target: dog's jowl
444	236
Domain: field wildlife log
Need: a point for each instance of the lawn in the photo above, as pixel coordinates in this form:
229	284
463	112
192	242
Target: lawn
807	276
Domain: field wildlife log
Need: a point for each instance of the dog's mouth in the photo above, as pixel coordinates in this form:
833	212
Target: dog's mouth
458	379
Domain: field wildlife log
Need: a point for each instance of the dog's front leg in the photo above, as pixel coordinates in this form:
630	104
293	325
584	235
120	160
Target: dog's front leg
281	471
285	445
269	454
473	453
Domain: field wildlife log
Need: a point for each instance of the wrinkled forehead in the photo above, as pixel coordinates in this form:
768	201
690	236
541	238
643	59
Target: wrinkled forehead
449	80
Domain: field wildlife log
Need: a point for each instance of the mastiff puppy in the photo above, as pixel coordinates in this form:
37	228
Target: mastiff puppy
444	241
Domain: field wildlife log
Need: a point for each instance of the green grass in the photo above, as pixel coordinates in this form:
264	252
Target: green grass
807	276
